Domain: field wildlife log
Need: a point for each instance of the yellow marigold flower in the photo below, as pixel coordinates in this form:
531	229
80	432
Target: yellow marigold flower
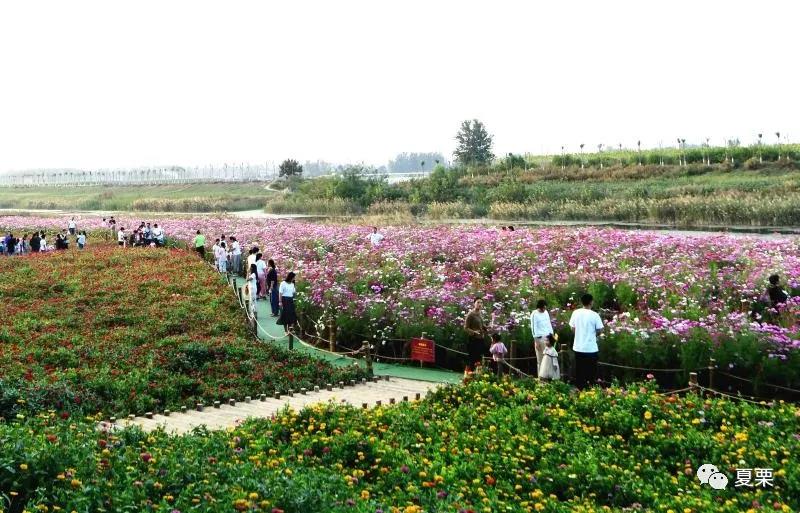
365	494
253	496
648	415
23	466
75	483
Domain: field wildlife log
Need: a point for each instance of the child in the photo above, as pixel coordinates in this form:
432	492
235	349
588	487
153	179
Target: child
549	370
498	351
252	287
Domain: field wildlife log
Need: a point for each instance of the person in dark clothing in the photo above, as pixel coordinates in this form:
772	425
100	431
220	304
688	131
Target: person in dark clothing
777	296
272	287
36	242
476	333
11	244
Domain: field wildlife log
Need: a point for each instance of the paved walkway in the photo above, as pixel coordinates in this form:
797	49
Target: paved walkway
273	333
221	416
392	383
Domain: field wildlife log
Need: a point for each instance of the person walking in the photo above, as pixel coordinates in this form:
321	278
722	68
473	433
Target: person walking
200	244
261	266
82	240
541	328
236	256
498	351
286	291
585	323
72	226
272	287
476	333
252	287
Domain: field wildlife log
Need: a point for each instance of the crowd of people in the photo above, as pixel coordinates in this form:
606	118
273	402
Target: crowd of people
144	235
37	242
586	325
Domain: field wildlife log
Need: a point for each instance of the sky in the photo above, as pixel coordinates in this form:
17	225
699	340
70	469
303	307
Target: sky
103	84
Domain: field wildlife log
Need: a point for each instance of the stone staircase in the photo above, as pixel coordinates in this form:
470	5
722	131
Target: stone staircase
220	416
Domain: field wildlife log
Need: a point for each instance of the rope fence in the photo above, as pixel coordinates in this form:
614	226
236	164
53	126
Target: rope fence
366	350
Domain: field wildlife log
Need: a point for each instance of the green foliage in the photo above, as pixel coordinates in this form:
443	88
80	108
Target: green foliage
290	167
474	144
517	446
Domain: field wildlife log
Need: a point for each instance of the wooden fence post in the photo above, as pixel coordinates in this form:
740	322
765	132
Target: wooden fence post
693	381
367	357
563	358
332	334
712	364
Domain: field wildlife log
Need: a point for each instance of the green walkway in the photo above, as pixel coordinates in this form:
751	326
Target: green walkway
271	332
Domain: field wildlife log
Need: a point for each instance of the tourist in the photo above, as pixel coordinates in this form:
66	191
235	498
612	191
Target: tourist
147	231
220	255
112	225
251	257
82	240
272	287
200	244
121	241
36	242
236	256
64	239
775	293
252	287
23	246
11	244
585	323
498	351
476	333
157	233
261	266
375	237
288	316
549	369
72	226
511	228
541	328
43	242
222	259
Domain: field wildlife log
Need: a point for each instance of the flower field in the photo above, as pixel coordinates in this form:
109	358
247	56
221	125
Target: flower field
105	330
670	301
487	447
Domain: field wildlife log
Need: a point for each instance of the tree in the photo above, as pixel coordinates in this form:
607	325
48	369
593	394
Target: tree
474	144
289	168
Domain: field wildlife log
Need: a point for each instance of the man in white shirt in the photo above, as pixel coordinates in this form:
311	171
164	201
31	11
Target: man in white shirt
541	328
121	237
158	234
236	256
375	237
585	323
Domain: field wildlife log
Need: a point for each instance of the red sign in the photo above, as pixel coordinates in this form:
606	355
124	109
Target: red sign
423	350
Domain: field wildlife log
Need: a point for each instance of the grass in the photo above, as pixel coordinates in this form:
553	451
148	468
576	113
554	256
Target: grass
211	197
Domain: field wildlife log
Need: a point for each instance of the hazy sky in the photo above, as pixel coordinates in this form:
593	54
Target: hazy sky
106	83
